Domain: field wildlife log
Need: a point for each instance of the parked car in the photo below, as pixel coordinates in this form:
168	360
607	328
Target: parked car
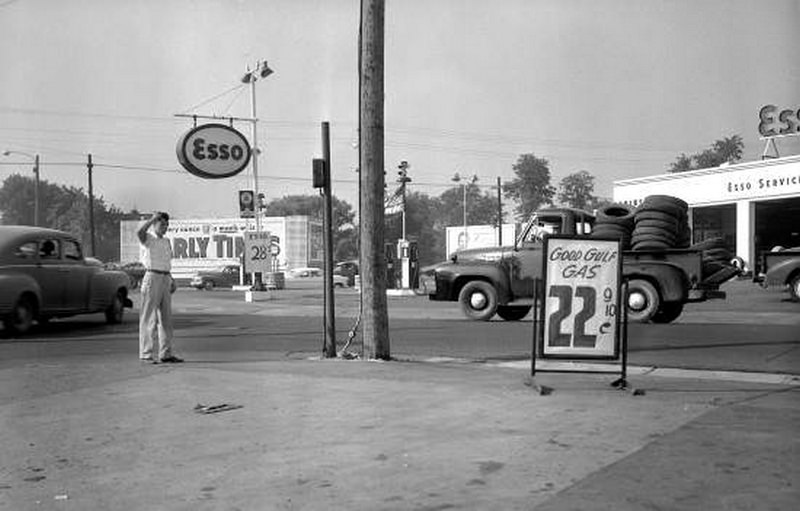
135	271
44	275
781	267
340	281
305	272
348	269
223	276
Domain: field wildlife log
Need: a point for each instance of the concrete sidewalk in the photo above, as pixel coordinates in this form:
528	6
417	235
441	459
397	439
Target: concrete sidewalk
357	435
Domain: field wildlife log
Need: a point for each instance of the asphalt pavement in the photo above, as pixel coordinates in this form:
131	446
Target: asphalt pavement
108	432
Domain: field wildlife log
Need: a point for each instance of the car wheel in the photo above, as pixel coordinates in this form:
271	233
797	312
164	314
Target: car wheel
643	301
21	318
668	312
794	288
208	285
116	310
513	312
478	300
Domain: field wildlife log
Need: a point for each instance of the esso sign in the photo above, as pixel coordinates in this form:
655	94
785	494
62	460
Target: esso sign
213	151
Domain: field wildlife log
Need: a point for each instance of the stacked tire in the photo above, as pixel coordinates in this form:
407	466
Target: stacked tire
661	222
714	254
615	221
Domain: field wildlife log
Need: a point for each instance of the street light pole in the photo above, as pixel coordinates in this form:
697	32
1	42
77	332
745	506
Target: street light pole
403	179
36	185
261	70
458	179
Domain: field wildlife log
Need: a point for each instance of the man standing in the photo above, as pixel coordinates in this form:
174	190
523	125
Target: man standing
155	320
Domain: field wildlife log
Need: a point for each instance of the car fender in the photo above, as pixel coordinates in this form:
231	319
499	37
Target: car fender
670	281
14	286
781	272
451	278
105	285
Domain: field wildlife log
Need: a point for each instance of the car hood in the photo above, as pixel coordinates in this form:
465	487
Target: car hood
480	255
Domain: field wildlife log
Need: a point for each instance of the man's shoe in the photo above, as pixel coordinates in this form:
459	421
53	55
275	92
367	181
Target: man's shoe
146	359
172	359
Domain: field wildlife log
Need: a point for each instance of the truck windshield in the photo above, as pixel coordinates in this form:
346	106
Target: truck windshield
538	226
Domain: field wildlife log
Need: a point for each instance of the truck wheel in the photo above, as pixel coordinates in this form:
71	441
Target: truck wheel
478	300
513	312
643	301
21	317
116	310
668	312
208	285
794	288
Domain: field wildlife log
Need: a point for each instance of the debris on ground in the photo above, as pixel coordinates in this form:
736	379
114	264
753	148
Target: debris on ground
224	407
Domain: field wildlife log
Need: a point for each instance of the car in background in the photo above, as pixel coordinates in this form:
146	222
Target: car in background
222	276
304	273
44	275
347	269
135	271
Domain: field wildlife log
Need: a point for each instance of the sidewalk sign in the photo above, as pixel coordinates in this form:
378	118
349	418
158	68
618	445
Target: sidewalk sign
577	304
257	252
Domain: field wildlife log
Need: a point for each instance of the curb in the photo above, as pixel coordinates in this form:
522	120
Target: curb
665	372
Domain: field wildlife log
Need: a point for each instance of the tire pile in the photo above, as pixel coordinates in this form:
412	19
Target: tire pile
715	254
615	221
661	222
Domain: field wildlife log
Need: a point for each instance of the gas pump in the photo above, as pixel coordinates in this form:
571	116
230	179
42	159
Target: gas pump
389	253
407	257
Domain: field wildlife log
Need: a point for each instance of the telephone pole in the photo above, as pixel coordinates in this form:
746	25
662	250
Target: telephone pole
90	166
371	145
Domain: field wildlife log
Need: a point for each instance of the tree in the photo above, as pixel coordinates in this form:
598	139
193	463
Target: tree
726	150
481	207
64	208
531	188
423	224
577	190
345	235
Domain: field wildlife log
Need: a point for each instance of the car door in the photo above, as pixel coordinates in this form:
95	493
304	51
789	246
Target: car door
76	275
526	261
48	274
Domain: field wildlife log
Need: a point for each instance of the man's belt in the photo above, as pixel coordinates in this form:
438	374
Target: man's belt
158	272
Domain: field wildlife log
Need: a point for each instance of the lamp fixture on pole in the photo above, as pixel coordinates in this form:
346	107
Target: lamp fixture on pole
464	182
35	159
261	70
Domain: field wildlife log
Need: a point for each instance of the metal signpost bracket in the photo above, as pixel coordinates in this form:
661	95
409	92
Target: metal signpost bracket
585	272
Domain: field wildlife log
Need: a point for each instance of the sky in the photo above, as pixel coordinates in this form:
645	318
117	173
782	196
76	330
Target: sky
618	88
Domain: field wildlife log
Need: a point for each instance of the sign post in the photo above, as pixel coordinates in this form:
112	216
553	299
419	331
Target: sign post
257	256
577	305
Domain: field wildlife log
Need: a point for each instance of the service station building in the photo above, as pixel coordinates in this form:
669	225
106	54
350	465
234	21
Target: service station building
753	206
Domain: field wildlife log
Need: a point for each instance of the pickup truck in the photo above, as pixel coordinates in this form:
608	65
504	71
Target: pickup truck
500	280
781	268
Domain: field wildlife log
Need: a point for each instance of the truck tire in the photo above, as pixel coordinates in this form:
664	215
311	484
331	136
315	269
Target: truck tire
478	300
668	312
794	288
616	214
643	301
513	312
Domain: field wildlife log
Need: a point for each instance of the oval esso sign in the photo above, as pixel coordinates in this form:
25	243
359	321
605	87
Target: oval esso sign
213	151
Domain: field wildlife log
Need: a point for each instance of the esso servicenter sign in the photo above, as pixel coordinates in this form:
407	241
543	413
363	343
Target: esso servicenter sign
213	151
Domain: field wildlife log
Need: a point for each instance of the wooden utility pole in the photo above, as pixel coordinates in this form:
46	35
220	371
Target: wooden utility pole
499	214
375	319
329	348
90	166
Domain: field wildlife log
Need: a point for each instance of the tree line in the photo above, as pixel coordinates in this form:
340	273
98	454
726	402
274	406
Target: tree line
427	217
